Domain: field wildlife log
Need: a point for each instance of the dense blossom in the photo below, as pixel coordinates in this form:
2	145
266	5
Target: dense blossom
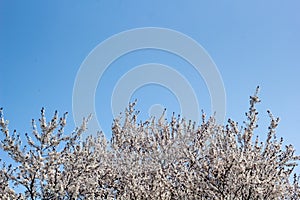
155	159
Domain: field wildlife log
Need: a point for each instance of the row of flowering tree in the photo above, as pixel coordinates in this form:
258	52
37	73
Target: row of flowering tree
155	159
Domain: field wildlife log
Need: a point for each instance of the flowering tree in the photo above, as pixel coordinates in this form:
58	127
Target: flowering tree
154	159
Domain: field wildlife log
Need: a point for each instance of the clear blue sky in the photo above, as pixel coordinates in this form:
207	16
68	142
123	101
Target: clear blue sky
43	43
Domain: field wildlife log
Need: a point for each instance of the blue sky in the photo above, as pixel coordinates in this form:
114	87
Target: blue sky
43	44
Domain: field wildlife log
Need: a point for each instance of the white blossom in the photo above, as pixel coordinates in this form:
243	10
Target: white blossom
149	160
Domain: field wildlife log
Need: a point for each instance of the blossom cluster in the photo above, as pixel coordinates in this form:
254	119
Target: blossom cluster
154	159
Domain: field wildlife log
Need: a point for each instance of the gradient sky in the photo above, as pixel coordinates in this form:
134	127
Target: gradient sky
43	43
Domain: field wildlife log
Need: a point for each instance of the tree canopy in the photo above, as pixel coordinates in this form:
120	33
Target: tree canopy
153	159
